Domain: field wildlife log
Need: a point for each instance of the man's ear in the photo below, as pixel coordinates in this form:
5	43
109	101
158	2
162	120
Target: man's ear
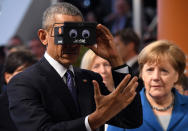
42	34
7	77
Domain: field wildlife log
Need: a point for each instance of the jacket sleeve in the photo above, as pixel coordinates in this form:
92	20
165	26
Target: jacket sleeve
131	116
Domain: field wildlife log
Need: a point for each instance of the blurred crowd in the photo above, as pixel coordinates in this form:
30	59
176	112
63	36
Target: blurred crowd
118	14
16	43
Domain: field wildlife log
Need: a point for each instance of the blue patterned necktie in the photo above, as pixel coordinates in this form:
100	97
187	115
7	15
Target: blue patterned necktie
70	84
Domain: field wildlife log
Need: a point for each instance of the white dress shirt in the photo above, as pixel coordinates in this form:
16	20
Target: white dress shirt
132	61
61	70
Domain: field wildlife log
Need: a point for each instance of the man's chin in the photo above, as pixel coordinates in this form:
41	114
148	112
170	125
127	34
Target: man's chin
70	55
66	62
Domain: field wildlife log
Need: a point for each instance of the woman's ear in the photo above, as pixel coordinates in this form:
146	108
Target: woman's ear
42	34
176	77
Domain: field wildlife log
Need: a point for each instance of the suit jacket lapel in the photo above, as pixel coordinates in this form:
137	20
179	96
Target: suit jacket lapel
178	110
85	92
57	85
148	115
135	68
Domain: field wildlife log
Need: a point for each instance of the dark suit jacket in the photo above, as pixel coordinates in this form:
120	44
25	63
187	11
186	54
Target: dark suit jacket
135	72
40	101
135	69
6	123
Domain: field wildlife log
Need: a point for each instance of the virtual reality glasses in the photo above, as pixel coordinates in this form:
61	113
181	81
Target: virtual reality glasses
75	33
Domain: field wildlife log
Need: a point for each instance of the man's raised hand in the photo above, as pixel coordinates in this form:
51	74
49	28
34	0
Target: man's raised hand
110	105
105	46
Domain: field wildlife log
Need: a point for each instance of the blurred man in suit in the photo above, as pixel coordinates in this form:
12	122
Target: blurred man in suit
15	63
128	44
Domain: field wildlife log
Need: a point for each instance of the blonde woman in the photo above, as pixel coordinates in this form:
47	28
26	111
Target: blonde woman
91	61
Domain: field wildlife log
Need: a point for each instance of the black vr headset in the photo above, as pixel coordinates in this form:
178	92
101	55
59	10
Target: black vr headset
75	33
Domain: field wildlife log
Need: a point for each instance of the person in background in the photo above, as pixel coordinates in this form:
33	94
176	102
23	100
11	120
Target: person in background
16	48
162	65
13	43
121	18
182	85
91	61
128	44
2	55
37	48
15	63
90	17
185	85
53	95
2	58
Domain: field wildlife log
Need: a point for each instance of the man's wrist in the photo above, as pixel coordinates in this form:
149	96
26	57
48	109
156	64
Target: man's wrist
87	124
116	61
95	120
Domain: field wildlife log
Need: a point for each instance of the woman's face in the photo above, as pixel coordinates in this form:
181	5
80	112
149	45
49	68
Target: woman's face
159	78
102	67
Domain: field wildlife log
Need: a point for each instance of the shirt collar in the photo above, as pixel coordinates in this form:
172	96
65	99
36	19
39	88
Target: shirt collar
61	70
132	61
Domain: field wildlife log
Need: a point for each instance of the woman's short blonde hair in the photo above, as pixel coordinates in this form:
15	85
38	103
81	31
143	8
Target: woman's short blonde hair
160	49
88	59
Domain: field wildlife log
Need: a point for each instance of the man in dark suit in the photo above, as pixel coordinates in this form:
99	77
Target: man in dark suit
14	63
6	122
40	98
128	44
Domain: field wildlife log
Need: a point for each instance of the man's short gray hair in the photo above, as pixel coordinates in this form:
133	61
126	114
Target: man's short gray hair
59	8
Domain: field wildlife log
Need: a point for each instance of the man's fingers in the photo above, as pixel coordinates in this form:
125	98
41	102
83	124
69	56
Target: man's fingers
94	48
132	90
96	88
132	85
104	29
135	85
123	83
130	97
